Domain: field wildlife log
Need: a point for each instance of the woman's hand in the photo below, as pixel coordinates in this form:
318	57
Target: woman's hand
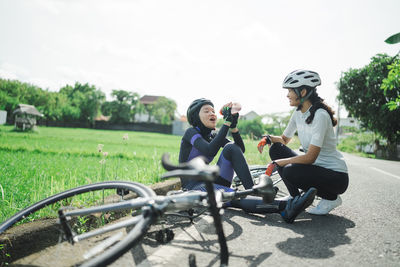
266	140
282	162
225	111
261	145
227	105
308	158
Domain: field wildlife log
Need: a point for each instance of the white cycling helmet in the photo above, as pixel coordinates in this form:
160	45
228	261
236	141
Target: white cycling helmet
300	78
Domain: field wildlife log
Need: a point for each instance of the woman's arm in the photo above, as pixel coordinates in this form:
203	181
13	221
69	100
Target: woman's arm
211	149
238	139
280	139
308	158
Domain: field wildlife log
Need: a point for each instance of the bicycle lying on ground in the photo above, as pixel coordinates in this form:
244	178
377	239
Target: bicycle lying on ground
82	219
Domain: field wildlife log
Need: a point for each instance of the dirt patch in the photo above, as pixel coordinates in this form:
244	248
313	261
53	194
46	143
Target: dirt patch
18	241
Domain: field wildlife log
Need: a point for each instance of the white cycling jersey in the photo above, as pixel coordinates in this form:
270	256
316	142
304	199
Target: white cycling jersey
318	133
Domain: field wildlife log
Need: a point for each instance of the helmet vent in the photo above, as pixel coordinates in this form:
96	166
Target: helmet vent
308	76
288	80
294	81
300	73
315	80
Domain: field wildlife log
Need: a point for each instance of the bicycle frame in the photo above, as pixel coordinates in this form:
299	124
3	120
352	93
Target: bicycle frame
155	207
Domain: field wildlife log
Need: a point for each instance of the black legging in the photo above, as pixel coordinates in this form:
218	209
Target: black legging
234	155
329	183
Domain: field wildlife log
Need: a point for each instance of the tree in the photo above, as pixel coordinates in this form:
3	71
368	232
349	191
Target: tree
85	98
163	110
253	128
123	108
392	83
277	122
149	109
13	92
393	79
360	92
57	106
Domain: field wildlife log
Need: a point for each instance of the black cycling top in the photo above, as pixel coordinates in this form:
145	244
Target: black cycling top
193	144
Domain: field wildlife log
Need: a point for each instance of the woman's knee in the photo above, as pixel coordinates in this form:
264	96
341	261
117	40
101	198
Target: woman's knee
273	151
231	149
279	151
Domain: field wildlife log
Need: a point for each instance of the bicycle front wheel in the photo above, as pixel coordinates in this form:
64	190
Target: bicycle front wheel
39	242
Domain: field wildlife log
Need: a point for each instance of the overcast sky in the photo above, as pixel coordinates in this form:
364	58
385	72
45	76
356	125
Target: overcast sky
221	50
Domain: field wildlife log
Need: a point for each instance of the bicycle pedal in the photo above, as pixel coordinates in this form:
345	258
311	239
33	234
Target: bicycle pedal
190	212
170	235
192	260
164	236
122	192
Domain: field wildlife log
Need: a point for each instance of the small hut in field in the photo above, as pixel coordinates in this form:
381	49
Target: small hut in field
25	116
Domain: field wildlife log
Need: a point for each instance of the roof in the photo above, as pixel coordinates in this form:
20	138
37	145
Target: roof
183	118
148	99
102	118
251	113
27	109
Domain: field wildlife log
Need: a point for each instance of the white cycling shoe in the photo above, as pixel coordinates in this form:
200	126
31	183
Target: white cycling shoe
325	206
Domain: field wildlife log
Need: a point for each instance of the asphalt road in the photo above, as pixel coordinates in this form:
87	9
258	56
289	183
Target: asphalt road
364	231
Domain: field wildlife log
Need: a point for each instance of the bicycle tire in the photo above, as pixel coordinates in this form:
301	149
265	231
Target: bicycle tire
130	241
143	191
112	253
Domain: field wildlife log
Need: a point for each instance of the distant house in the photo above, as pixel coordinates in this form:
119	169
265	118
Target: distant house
146	100
249	116
179	125
25	116
102	118
349	122
149	99
3	117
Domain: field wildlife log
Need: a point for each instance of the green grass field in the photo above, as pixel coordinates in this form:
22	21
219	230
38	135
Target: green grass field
38	164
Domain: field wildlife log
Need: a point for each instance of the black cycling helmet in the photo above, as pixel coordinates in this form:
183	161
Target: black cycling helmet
194	109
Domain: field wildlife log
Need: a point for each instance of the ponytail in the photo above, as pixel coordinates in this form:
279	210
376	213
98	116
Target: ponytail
317	103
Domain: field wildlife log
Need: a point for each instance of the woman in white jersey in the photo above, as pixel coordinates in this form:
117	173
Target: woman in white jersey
322	166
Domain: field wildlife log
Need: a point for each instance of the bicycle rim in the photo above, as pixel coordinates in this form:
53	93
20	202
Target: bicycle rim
43	247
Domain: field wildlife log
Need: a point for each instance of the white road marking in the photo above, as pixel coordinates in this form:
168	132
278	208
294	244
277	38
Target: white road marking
387	173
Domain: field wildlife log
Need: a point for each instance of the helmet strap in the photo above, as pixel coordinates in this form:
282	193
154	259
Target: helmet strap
307	96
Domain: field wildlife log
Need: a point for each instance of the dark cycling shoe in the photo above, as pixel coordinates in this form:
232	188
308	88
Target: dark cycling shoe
297	204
